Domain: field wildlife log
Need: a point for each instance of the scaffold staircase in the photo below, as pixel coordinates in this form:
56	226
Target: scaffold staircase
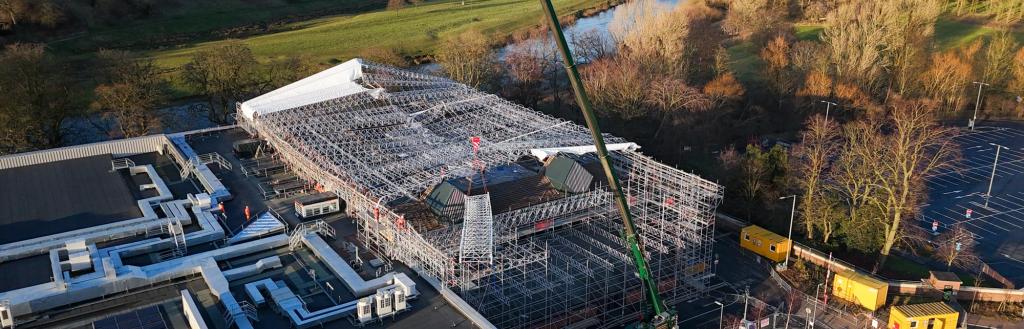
244	307
174	229
319	227
187	170
477	243
122	163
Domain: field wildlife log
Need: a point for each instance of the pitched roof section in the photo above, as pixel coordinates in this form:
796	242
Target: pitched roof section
338	81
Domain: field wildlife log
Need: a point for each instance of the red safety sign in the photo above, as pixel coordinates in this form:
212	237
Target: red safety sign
968	213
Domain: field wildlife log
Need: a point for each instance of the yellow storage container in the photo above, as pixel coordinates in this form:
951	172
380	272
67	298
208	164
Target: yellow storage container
936	315
764	242
860	289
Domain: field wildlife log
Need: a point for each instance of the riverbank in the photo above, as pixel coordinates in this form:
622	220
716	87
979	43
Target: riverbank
413	31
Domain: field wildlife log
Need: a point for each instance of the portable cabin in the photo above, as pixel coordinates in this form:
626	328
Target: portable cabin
764	243
860	289
937	315
317	205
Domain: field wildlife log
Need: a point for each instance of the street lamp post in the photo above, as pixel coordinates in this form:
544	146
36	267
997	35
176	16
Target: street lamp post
977	104
828	105
792	215
992	178
721	313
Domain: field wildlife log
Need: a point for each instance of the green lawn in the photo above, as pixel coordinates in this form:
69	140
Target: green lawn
745	62
187	22
951	34
412	30
810	32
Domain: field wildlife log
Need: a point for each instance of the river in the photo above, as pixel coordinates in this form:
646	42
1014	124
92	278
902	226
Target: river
587	25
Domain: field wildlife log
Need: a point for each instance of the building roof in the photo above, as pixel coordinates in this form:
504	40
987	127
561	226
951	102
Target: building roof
763	234
945	276
923	310
863	278
316	198
61	196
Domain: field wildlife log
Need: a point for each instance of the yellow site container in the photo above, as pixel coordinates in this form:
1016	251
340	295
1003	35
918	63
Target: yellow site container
936	315
764	242
860	289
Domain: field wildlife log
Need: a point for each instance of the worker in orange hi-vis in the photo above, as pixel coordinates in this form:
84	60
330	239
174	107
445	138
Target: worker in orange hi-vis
248	214
220	206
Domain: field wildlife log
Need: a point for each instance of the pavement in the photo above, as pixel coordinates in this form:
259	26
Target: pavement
996	221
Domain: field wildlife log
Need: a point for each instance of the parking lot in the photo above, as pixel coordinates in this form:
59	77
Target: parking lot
999	224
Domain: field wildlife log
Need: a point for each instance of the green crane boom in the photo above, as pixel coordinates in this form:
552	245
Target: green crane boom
663	317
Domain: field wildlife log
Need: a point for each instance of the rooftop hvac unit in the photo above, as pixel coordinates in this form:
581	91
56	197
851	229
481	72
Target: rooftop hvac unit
6	316
364	309
399	300
384	301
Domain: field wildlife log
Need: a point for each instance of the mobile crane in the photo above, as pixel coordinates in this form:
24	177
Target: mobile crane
663	317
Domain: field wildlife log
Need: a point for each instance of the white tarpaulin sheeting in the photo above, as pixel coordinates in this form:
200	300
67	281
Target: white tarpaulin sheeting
338	81
542	154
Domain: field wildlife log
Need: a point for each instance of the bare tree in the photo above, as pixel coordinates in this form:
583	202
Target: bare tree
945	81
618	86
915	146
724	89
751	18
1016	84
630	14
812	158
36	99
777	67
129	95
288	70
528	65
224	74
911	25
998	59
673	96
658	43
467	58
956	247
590	46
855	39
387	56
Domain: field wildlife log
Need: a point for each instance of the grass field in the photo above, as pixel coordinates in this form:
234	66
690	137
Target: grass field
412	30
191	21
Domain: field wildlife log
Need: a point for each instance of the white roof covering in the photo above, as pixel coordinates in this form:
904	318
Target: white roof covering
329	84
544	153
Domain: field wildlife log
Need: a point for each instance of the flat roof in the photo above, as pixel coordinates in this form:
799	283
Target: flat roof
62	196
926	309
25	272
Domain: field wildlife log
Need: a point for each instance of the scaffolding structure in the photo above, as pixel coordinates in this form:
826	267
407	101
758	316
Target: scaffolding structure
551	264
